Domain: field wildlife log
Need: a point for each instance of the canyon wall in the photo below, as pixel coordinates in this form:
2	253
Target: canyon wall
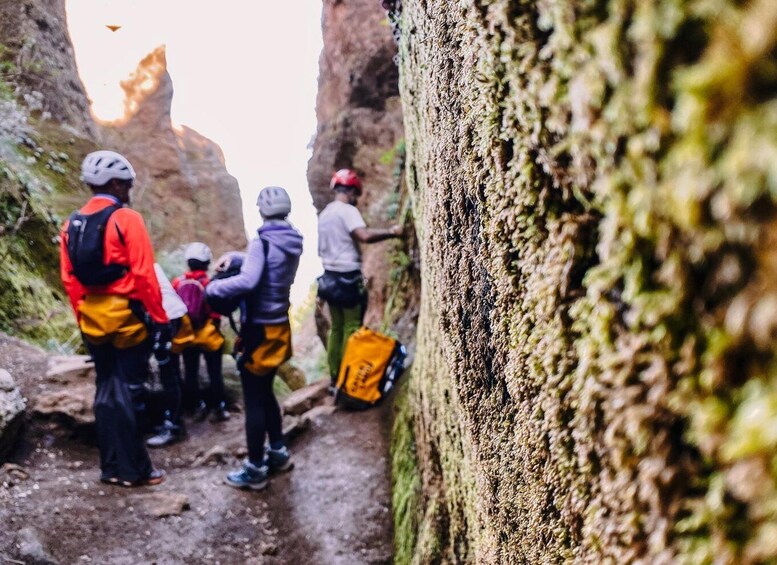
183	189
360	127
594	191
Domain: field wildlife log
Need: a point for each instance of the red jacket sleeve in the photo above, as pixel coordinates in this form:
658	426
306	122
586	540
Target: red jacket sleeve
141	262
75	290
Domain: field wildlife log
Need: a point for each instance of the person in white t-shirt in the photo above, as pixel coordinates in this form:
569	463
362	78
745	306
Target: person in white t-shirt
341	229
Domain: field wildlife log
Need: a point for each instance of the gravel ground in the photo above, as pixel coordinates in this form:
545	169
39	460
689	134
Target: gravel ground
333	508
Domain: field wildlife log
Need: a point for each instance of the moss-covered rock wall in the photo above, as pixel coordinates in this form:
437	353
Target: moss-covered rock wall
594	188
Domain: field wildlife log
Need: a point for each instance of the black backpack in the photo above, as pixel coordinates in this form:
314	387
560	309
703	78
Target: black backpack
86	247
225	270
225	306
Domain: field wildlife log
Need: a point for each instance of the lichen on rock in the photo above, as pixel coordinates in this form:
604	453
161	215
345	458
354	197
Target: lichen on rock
594	190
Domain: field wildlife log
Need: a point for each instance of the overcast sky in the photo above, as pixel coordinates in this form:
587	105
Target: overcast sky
245	75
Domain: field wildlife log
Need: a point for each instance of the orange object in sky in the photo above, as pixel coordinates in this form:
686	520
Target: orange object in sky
113	28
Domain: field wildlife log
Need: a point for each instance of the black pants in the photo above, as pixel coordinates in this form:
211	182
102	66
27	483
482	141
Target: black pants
262	412
191	386
118	404
170	377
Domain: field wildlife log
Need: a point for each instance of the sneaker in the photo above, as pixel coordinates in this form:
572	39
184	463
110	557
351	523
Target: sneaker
249	477
278	460
156	477
167	434
220	413
201	412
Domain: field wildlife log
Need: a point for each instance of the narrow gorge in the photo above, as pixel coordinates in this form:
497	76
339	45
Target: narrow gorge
586	282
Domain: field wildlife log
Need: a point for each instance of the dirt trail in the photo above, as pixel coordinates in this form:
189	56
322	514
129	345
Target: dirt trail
333	508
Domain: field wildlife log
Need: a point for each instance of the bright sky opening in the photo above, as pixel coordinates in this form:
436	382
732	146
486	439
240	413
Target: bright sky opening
245	76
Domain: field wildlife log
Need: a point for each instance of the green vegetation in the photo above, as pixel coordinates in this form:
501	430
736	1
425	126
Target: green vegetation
406	482
597	222
32	302
38	187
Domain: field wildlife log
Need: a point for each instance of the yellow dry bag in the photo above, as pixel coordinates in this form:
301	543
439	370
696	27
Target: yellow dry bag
108	318
371	365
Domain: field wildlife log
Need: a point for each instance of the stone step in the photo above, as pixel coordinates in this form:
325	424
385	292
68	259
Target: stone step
302	400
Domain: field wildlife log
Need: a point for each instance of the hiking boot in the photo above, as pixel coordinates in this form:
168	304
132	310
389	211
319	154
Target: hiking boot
167	434
278	460
220	413
156	477
249	477
201	412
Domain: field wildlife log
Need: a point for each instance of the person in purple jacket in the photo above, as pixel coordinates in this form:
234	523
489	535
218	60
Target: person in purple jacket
264	281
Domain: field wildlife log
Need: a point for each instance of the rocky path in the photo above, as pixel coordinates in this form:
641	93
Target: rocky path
333	508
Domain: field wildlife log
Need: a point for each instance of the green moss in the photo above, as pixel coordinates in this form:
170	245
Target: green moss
405	481
595	192
39	187
32	301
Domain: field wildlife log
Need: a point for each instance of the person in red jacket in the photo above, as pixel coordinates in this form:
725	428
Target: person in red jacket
208	339
107	269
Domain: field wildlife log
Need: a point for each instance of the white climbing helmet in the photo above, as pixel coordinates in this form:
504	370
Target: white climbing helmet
99	167
273	201
199	252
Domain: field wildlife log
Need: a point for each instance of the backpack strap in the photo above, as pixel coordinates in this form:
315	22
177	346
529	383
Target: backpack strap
233	324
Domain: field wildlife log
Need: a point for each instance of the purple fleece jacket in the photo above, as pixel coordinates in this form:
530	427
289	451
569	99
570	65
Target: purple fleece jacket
268	302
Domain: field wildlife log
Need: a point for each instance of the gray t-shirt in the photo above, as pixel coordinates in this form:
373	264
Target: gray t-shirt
336	247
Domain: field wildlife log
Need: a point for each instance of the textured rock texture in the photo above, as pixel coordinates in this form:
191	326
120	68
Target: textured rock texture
184	190
35	40
360	127
67	391
11	411
594	191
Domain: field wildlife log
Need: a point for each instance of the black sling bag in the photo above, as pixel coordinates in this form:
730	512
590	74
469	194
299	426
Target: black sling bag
86	247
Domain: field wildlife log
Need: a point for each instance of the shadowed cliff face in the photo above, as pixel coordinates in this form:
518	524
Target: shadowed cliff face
359	125
183	190
35	37
594	193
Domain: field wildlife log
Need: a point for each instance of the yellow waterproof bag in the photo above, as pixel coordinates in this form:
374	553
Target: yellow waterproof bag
184	336
108	318
208	337
272	352
371	365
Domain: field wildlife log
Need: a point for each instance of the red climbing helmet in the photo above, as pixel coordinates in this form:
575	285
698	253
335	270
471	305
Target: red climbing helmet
346	177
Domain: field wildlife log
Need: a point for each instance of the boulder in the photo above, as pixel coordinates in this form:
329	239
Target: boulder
68	392
302	400
293	376
11	412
